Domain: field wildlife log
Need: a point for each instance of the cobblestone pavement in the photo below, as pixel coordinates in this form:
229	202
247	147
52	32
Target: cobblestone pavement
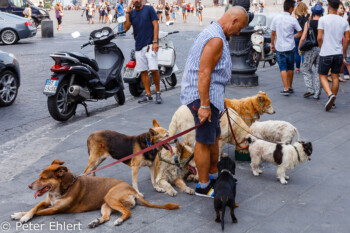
315	200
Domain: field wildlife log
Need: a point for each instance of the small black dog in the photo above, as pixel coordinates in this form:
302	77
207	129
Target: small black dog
225	190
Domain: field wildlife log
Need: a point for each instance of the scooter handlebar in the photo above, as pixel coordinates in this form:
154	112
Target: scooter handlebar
84	45
118	33
173	32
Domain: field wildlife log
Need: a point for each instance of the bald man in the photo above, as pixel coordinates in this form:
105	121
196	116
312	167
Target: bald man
207	71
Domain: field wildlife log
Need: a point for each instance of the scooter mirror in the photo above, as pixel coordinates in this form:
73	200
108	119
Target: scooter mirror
121	19
169	23
75	34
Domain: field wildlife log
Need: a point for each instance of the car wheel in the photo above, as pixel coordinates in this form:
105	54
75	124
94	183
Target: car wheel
9	36
8	88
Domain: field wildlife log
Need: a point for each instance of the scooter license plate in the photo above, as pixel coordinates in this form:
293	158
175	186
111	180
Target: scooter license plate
128	73
50	86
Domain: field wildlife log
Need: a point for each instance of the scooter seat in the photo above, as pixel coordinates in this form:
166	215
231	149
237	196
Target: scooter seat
85	59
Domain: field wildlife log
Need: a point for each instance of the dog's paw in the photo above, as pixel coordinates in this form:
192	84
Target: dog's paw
94	223
217	219
140	194
18	215
259	171
25	218
118	222
255	173
189	190
286	177
283	181
159	189
171	192
234	220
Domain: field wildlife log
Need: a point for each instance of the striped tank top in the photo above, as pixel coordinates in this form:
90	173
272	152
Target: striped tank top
219	76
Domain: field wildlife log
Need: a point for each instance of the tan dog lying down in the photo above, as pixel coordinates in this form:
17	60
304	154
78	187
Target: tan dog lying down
69	193
251	107
183	119
167	174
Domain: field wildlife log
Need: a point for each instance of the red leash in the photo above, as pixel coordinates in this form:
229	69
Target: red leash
145	150
233	135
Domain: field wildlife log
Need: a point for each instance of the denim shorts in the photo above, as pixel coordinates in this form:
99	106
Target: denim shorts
332	62
285	60
209	131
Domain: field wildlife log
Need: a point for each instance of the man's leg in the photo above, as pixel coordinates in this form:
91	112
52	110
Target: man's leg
156	79
214	156
284	76
146	82
202	160
335	83
325	84
290	74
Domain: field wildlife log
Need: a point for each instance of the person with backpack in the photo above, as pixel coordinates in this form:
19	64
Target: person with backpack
311	57
302	16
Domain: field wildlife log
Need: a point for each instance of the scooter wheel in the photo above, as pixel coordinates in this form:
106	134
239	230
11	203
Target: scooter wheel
272	62
120	97
172	81
135	89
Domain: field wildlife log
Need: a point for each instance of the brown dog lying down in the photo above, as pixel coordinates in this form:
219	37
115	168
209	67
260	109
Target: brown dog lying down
104	143
251	108
69	193
167	174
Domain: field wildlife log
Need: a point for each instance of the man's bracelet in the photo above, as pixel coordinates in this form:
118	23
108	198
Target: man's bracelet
204	107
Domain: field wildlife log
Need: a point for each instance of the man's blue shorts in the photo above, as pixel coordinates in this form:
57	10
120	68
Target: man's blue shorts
285	60
209	131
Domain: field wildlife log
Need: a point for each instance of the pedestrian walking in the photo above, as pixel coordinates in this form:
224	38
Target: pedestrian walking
144	21
262	5
184	9
167	12
101	10
59	15
119	9
207	71
200	12
109	16
302	16
173	10
347	66
311	78
341	13
91	13
86	11
331	29
160	8
283	26
27	11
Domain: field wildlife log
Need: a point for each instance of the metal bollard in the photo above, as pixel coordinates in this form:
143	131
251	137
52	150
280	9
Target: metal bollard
46	28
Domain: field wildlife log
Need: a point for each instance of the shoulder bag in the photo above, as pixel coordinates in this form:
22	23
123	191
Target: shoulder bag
310	40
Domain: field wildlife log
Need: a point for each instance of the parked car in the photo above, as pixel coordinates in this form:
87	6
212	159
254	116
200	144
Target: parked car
9	78
17	7
13	28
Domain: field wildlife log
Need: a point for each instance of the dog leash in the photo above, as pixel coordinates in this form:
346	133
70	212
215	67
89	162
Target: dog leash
144	150
233	135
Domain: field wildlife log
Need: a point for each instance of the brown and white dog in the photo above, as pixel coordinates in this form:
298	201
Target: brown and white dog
183	119
105	143
285	156
178	166
250	108
69	193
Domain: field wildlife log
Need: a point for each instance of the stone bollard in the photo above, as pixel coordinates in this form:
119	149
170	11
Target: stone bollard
46	28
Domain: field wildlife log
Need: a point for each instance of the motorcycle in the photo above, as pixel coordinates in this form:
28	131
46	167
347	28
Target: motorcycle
166	66
261	40
76	78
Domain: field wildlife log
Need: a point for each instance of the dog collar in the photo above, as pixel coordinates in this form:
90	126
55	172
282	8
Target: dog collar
226	171
176	160
150	144
297	153
257	115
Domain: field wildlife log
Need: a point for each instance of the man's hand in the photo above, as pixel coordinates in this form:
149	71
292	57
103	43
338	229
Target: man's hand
155	47
130	7
204	114
273	49
344	60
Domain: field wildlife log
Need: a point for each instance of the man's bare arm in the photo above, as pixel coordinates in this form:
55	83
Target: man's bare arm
320	37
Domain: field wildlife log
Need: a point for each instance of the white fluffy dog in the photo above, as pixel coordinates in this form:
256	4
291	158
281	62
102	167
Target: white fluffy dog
275	131
285	156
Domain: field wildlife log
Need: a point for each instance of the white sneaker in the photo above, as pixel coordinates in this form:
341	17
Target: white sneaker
346	77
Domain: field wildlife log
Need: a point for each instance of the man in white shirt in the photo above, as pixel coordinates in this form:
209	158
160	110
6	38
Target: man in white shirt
283	27
331	29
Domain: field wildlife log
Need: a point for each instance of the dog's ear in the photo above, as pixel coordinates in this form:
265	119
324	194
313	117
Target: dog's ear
155	123
58	162
152	132
307	147
261	93
61	170
261	100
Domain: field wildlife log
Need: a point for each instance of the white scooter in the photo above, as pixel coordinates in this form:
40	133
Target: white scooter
262	47
166	66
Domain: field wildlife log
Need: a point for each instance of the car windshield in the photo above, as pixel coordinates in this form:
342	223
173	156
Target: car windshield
18	3
259	20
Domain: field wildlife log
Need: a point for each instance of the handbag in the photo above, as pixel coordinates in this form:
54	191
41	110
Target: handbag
310	40
60	14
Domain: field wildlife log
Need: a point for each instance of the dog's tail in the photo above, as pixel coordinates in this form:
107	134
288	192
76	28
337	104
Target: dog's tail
298	135
167	206
224	201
